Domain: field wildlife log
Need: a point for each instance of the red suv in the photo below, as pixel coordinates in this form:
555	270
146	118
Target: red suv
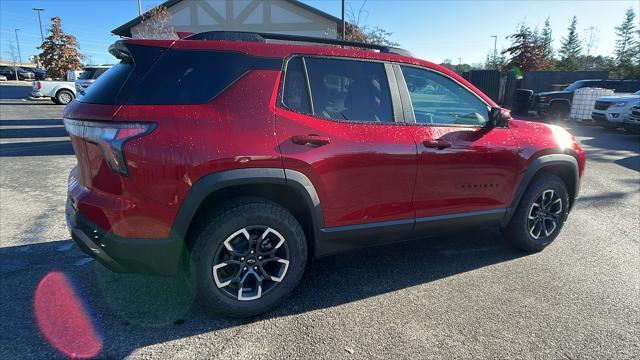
239	158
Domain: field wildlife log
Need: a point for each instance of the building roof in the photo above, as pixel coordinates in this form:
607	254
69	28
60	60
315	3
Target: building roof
125	29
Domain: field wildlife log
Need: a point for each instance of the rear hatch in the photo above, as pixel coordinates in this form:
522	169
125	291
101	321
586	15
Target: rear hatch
152	90
97	135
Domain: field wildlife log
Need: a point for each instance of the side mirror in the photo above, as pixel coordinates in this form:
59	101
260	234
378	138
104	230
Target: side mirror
499	117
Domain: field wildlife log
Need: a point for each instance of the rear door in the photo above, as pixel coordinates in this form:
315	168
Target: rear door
465	168
339	123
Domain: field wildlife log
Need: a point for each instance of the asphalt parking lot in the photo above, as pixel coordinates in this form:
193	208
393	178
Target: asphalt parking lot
462	296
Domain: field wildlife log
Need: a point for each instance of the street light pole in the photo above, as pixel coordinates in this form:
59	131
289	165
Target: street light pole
18	43
344	30
139	8
40	22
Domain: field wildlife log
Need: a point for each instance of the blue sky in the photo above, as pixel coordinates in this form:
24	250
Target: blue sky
434	30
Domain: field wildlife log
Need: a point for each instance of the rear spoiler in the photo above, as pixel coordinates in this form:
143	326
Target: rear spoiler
119	51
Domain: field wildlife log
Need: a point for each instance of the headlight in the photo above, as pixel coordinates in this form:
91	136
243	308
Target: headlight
543	99
619	104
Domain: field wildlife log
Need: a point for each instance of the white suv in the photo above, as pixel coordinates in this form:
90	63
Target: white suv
609	111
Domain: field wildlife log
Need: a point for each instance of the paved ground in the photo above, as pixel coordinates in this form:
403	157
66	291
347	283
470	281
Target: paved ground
456	297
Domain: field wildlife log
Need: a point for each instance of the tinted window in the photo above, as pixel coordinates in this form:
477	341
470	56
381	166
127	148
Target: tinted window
295	96
157	76
99	71
349	90
439	100
106	90
87	74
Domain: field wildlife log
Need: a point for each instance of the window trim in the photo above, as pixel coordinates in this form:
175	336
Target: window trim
394	90
410	114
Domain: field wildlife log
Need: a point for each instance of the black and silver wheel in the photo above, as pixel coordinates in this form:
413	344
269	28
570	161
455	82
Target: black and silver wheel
248	258
544	214
63	97
251	262
540	215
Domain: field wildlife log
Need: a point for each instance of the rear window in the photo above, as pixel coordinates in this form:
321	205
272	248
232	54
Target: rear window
87	74
157	76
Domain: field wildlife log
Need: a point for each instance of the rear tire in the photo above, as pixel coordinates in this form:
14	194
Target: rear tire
540	215
248	258
63	97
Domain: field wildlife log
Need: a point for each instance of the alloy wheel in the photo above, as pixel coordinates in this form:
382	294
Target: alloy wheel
251	262
544	214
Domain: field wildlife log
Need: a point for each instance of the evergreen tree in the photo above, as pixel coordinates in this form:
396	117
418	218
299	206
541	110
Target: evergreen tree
626	51
546	38
570	50
60	51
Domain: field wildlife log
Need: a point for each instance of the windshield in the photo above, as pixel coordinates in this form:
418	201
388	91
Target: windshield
575	86
637	92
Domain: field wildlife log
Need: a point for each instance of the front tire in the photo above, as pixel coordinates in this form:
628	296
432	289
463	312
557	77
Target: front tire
248	258
540	215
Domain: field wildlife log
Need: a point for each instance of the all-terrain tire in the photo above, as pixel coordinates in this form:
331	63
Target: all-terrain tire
519	230
220	226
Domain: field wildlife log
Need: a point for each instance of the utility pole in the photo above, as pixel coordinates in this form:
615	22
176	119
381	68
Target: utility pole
18	43
495	46
344	29
139	8
40	22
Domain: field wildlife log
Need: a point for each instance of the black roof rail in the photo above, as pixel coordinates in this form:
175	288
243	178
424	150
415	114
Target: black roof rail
263	37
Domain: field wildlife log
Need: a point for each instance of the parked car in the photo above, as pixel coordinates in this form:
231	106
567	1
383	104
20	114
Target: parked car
10	73
632	120
557	104
39	73
609	111
239	160
3	78
61	92
88	76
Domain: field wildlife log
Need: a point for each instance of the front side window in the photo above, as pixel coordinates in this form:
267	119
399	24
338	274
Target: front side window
438	100
349	90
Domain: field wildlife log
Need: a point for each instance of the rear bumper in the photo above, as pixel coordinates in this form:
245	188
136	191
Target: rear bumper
118	254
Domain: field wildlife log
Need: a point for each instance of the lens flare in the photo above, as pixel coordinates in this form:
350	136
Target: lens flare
63	319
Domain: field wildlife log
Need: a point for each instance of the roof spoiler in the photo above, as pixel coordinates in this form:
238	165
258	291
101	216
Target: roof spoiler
263	37
119	51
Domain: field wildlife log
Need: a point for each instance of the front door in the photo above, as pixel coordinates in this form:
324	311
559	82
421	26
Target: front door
465	168
336	125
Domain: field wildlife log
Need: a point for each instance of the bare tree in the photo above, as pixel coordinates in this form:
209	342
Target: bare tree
590	40
13	56
365	33
156	24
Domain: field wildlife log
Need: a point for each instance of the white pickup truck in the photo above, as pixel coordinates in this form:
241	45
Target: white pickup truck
61	92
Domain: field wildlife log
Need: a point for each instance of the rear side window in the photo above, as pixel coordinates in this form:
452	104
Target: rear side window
349	90
343	90
157	76
296	95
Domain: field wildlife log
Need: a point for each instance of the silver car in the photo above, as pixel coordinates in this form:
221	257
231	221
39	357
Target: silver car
88	76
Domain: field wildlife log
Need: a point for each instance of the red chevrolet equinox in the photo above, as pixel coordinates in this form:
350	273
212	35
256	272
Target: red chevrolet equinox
236	157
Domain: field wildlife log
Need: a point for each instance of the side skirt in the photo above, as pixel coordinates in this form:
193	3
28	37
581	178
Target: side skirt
344	238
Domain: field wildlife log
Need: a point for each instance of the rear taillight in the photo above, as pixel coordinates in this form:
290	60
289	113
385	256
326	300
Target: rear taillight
110	138
38	85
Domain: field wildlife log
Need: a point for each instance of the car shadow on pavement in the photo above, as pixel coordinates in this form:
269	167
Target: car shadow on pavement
605	145
131	311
